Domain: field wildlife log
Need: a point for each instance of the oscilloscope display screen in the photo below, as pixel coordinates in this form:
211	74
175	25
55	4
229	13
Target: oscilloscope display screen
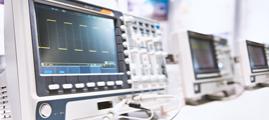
71	42
257	56
203	55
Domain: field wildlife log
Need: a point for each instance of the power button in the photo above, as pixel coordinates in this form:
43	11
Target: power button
45	110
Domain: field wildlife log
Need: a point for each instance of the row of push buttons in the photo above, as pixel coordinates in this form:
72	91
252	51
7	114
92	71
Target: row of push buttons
82	85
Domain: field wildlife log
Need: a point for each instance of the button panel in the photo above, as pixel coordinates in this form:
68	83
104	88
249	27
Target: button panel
62	85
146	57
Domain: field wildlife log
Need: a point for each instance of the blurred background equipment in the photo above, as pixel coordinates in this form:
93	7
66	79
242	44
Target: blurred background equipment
254	64
206	66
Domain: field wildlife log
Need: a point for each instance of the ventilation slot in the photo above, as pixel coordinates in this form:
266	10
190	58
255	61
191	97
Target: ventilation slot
5	112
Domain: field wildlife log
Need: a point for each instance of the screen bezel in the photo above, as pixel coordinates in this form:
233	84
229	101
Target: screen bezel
209	38
253	68
81	74
42	82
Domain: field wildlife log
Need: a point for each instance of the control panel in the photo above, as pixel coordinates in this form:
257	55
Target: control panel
146	56
224	58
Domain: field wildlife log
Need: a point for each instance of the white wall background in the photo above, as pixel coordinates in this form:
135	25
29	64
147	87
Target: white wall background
204	16
255	20
1	30
209	16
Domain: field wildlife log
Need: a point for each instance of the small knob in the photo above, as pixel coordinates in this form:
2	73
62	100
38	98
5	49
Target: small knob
128	72
127	60
123	27
126	52
125	44
124	36
45	110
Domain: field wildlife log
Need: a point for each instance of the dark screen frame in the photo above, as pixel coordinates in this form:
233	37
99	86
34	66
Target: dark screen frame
79	11
92	14
260	45
209	38
42	82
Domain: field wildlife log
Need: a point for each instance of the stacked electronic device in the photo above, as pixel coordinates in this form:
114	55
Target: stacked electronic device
208	70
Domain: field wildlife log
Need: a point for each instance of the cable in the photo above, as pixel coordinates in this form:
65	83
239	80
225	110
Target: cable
135	102
136	118
138	106
154	97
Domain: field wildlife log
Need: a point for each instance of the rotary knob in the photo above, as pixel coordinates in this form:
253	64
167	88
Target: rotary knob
123	28
124	36
125	44
45	110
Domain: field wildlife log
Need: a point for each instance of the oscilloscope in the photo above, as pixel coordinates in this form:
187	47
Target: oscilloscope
206	65
254	63
71	60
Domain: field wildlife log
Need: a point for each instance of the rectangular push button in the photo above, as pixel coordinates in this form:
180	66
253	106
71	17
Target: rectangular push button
101	84
67	86
54	87
119	82
110	83
91	84
80	85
